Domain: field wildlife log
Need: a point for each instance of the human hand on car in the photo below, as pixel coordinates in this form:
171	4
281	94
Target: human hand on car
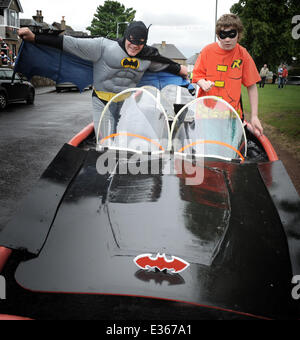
183	72
206	85
256	126
26	34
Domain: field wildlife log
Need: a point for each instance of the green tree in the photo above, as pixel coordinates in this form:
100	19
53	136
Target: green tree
268	30
105	20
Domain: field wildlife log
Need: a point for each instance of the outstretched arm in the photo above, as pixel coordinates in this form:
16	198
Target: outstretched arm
87	49
161	63
173	68
253	98
53	41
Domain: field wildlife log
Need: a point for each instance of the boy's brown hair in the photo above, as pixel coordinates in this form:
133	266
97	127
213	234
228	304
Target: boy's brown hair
230	20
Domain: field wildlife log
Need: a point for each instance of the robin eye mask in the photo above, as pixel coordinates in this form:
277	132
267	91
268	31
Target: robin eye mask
228	34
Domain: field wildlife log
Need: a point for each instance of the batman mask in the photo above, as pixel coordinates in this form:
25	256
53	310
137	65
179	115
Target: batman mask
137	33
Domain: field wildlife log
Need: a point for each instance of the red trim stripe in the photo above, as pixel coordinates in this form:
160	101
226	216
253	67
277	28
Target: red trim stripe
82	135
4	317
266	144
4	256
154	298
271	153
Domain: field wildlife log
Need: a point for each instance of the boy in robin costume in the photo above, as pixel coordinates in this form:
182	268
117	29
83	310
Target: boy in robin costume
223	67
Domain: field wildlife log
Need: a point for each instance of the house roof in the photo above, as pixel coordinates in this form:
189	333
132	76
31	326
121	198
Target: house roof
192	60
29	22
53	29
6	4
169	51
32	23
69	30
59	26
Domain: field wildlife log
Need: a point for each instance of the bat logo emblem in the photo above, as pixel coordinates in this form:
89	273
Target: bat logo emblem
130	63
148	261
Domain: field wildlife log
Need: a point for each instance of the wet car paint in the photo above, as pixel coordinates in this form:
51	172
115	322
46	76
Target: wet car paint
252	261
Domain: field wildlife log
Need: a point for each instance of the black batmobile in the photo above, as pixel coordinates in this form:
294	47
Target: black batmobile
177	211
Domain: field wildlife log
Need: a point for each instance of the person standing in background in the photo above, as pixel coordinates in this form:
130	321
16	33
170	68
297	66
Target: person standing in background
263	74
285	74
280	78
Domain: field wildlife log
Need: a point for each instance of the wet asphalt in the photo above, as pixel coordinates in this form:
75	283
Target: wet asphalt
31	136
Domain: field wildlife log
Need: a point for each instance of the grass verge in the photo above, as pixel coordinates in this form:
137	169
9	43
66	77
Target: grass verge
279	111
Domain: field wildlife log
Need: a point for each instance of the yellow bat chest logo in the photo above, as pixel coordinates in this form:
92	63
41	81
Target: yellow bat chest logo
237	64
130	63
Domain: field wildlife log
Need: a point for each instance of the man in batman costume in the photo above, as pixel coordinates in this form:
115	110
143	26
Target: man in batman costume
117	64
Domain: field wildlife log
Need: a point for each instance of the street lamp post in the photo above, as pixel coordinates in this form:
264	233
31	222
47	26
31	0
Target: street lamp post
119	23
216	18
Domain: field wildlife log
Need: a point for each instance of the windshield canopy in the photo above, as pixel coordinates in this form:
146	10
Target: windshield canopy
140	123
135	120
209	127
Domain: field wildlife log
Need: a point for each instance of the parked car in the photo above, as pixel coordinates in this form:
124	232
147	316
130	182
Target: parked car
68	86
293	80
65	86
19	90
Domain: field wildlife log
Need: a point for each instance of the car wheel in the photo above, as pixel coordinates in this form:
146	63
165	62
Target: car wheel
30	98
3	101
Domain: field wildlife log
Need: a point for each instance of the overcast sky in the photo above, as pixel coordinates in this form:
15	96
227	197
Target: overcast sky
187	24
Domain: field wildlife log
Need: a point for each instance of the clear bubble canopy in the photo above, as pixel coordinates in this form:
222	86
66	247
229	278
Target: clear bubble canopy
204	127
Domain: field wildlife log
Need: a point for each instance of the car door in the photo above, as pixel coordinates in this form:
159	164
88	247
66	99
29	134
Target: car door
5	83
18	89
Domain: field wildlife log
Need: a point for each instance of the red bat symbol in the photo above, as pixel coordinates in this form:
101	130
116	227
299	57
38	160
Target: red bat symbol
175	265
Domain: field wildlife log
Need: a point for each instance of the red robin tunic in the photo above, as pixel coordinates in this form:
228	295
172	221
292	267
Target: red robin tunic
228	70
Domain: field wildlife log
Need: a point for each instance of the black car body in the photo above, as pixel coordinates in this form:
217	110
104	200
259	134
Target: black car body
94	244
18	90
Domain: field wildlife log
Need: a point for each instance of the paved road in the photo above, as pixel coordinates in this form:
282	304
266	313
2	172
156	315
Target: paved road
31	136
